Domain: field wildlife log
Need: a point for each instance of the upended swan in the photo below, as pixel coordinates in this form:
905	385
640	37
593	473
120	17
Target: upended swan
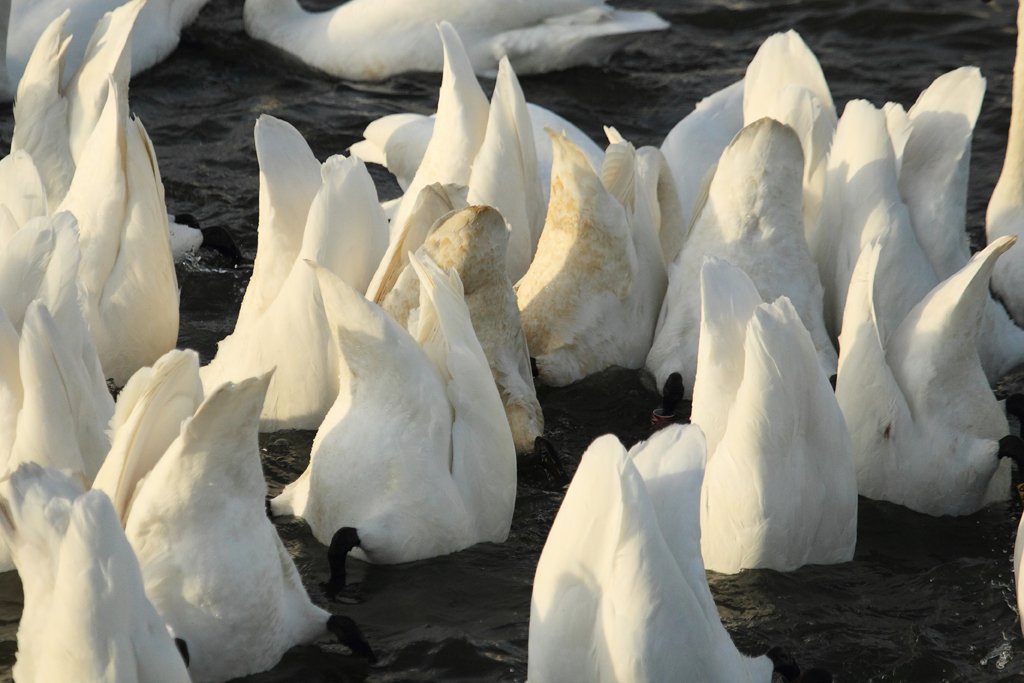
185	478
620	592
591	297
375	39
753	218
897	378
86	615
282	322
415	458
155	36
780	489
473	241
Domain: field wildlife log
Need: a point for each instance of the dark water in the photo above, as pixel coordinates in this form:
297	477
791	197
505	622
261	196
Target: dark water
925	599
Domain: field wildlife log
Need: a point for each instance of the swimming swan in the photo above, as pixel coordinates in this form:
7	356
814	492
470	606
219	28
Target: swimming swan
155	35
415	458
375	39
473	242
620	591
779	490
185	477
911	446
86	615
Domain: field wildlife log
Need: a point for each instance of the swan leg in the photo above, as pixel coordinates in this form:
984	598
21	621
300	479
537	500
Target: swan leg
342	542
183	649
672	393
349	635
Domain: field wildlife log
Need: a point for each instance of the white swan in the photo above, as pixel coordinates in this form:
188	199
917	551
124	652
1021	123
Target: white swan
591	297
375	39
1005	215
282	310
186	480
415	458
1018	578
473	242
752	217
780	489
155	35
784	81
911	446
55	402
126	270
86	615
620	591
694	145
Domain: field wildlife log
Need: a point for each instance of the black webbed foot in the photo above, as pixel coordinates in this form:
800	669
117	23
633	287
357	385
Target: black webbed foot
349	635
672	394
183	649
547	457
342	542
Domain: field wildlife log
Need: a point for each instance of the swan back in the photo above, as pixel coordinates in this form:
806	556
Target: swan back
147	418
936	162
620	591
504	172
483	452
243	605
459	126
86	615
290	178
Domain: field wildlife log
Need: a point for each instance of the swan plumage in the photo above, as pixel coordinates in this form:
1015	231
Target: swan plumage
372	40
911	445
591	296
86	615
779	490
285	310
155	34
416	452
126	268
473	242
752	217
185	477
620	591
693	146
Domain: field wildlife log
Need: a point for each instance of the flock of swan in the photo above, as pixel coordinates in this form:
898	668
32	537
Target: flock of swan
802	275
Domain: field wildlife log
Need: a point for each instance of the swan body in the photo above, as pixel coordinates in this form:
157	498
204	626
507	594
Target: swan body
55	405
126	268
591	295
780	489
863	201
1018	556
693	146
185	477
416	453
154	37
753	219
620	591
86	615
373	40
911	446
784	82
1005	215
282	309
473	243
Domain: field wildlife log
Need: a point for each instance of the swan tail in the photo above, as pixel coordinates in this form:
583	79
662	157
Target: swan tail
147	419
783	60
